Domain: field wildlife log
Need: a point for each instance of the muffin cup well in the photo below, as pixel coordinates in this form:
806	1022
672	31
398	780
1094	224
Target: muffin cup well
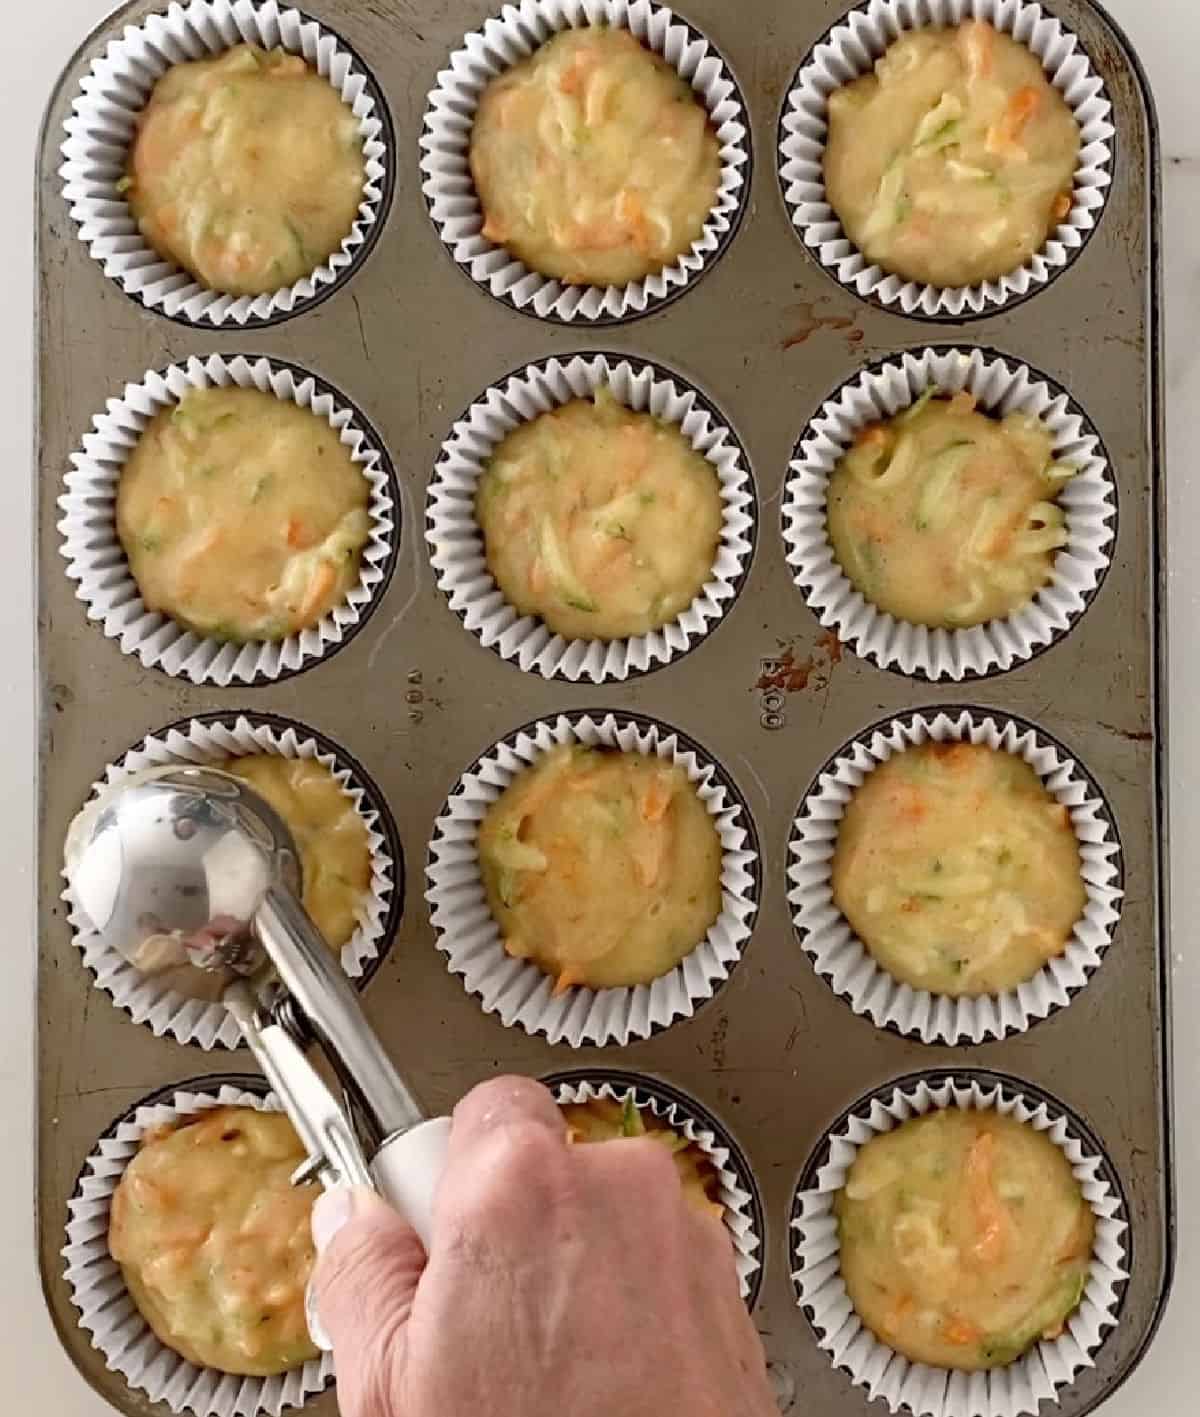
453	202
103	123
1001	386
847	965
167	1012
106	1308
850	50
516	989
97	561
738	1193
456	540
1019	1387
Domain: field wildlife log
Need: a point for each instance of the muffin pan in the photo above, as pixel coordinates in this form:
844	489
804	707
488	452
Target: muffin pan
767	338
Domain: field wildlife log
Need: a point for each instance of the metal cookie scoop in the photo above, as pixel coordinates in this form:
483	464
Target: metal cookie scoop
188	865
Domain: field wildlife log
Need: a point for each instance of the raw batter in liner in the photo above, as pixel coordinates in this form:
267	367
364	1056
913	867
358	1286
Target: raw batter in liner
335	862
601	521
957	869
247	170
953	161
603	1119
242	515
602	867
594	161
213	1240
965	1238
945	516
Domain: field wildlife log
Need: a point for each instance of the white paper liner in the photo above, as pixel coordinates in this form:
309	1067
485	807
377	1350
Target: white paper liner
736	1190
1001	386
107	1311
450	193
97	561
1010	1391
843	961
456	541
167	1012
517	989
849	50
103	123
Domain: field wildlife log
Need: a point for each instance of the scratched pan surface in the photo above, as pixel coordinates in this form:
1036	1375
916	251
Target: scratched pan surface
415	698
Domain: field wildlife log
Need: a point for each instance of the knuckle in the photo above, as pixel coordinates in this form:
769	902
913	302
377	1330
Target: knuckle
524	1152
521	1166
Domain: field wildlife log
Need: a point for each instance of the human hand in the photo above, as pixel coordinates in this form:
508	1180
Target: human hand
560	1280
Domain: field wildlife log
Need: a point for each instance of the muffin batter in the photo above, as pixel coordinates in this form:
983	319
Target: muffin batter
335	853
594	161
242	515
247	170
965	1239
945	516
603	1119
953	161
335	862
601	521
602	867
213	1240
957	869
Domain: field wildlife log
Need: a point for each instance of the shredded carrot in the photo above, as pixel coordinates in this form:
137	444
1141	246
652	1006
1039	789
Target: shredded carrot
1062	207
1002	135
962	402
656	799
989	1214
873	435
1021	108
632	214
568	978
493	229
960	1331
603	234
910	802
299	536
319	587
978	41
581	66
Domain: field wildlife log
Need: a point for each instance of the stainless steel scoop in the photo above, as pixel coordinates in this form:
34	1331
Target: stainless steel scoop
189	866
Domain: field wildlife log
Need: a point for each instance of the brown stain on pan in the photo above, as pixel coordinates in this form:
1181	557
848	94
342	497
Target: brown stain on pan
808	323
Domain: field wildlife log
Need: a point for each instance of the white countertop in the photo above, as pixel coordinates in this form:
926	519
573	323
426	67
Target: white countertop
39	39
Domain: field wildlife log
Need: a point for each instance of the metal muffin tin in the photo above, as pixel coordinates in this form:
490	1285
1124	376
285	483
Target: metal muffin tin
414	697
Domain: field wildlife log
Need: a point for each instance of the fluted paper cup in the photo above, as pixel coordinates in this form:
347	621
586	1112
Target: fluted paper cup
738	1193
456	541
453	202
517	990
171	1014
849	50
1000	386
103	123
107	1311
841	959
96	559
1038	1376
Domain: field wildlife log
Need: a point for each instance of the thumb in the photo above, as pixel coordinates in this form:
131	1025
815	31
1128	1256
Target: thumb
369	1262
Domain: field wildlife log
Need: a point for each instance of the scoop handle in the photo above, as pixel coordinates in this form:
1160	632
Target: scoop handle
408	1168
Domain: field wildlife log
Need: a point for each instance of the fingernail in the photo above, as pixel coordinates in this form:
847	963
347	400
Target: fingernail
316	1329
330	1213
